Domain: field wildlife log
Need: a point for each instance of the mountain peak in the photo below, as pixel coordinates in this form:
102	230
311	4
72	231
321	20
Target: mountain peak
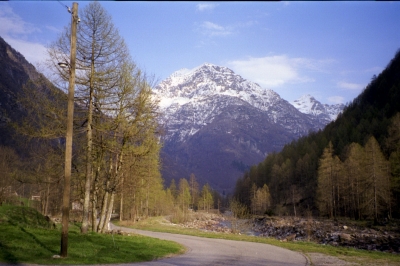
306	97
208	80
180	75
307	104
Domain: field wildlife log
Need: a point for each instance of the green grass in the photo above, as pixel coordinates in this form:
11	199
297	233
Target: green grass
26	237
22	216
362	257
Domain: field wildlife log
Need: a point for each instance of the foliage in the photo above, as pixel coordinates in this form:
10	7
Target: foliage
206	201
238	209
359	187
118	133
261	199
298	164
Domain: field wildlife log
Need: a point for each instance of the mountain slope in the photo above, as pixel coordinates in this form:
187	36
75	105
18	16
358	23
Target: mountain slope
369	114
24	94
217	124
15	72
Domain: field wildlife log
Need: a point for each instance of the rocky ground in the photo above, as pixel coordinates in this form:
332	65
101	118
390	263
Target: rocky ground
384	237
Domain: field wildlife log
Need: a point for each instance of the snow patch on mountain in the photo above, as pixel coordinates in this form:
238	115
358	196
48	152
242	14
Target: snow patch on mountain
185	86
192	98
307	104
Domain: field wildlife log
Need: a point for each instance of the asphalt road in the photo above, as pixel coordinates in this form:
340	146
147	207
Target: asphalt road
207	251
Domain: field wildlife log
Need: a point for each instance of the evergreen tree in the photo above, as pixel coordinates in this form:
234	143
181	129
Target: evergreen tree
184	198
377	180
206	201
261	200
355	177
173	189
393	148
326	182
194	191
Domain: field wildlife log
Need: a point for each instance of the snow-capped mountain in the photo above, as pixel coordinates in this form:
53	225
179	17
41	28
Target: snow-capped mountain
194	97
307	104
218	124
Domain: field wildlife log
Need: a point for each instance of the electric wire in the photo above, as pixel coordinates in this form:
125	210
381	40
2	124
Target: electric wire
69	10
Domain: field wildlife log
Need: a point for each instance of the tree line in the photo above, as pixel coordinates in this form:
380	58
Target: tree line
299	176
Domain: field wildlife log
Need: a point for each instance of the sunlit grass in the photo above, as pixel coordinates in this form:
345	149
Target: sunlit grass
21	241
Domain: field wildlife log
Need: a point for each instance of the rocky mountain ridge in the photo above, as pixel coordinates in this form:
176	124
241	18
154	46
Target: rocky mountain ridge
221	117
307	104
15	72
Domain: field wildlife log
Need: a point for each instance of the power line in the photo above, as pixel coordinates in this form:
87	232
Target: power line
69	9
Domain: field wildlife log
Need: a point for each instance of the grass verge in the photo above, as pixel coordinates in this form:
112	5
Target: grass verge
362	257
24	241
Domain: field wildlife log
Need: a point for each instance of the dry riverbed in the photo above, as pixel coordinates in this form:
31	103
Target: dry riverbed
384	237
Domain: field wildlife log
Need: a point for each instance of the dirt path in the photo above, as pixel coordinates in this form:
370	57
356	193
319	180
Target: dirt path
207	251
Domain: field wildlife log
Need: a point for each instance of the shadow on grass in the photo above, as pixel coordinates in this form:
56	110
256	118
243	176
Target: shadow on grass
38	241
7	255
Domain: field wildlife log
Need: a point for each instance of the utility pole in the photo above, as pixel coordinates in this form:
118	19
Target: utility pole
68	138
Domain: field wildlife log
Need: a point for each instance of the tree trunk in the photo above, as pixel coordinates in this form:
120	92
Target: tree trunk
103	211
109	212
94	203
121	205
86	201
46	203
294	204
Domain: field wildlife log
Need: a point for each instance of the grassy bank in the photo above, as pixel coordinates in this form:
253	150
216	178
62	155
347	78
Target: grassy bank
362	257
26	237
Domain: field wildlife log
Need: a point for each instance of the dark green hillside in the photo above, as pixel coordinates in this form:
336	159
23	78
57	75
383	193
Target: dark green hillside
369	113
32	129
292	174
23	217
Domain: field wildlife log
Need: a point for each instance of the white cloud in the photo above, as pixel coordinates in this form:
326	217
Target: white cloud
273	71
15	31
205	6
336	99
33	52
349	86
54	29
213	29
12	24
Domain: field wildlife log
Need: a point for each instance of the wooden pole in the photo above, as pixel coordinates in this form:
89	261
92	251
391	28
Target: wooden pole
68	138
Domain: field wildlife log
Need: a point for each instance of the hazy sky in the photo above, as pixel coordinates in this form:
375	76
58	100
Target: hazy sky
330	50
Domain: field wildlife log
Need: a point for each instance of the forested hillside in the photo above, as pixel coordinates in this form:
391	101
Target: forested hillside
351	168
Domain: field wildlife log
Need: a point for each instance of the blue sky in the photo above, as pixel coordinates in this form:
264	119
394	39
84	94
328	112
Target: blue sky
330	50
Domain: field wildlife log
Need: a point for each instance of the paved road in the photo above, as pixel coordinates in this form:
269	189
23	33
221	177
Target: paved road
207	251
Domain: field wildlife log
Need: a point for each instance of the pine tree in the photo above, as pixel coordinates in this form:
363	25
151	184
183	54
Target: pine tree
184	197
355	177
378	184
393	148
194	191
326	174
206	200
100	54
173	189
261	200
